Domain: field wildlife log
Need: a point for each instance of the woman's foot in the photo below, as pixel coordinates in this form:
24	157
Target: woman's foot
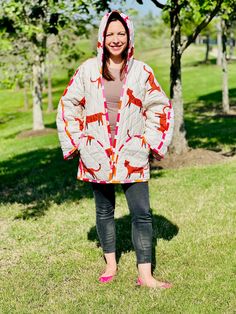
153	283
108	274
111	268
146	278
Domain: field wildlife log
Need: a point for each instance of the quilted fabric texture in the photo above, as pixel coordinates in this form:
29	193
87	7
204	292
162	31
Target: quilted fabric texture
144	120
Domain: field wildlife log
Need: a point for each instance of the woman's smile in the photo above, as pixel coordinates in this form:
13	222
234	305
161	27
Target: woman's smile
116	48
116	39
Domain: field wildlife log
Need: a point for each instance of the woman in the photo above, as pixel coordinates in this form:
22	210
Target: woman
113	114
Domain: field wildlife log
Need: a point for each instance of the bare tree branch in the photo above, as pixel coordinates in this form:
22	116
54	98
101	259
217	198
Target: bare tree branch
158	4
198	29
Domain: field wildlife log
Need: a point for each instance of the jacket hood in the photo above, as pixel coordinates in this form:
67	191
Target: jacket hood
101	39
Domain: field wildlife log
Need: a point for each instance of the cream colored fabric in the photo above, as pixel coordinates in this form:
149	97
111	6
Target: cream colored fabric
144	121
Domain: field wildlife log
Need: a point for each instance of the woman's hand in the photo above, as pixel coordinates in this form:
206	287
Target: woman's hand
73	155
156	156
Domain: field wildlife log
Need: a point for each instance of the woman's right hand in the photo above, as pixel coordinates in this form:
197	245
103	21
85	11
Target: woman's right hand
73	155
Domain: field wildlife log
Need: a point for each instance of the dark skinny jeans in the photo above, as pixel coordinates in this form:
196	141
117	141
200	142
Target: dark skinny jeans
137	196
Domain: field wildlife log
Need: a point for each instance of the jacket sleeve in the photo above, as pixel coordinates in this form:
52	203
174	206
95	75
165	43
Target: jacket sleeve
159	116
70	115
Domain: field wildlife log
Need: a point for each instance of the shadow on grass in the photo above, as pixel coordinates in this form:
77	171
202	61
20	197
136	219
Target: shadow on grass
211	103
162	229
210	61
207	127
211	132
214	100
37	178
52	125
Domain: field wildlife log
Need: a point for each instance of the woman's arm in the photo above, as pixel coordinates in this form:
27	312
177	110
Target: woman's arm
159	117
70	115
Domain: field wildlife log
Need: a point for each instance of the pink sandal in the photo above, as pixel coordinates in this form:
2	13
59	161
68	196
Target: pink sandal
105	279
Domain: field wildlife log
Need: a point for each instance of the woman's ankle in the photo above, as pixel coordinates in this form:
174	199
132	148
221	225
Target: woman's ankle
144	270
110	258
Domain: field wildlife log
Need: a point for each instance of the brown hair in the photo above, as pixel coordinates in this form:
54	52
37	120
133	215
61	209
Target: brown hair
115	16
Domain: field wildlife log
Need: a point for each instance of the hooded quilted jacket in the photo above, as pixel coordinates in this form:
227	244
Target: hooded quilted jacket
144	120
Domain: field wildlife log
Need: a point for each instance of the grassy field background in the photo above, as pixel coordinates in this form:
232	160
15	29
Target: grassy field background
50	257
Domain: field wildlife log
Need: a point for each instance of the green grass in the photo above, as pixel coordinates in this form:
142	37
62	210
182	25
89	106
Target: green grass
51	264
50	257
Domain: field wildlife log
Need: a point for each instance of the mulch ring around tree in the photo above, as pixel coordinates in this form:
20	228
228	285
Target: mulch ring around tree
34	133
193	157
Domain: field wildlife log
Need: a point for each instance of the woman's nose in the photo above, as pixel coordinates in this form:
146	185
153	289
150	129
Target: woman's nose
115	38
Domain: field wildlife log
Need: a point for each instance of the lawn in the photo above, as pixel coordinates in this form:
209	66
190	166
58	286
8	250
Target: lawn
50	258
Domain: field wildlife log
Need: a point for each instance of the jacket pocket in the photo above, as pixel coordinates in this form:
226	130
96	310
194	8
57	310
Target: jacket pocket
133	158
94	161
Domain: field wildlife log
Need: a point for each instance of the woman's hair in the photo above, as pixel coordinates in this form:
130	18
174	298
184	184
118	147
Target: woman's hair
115	16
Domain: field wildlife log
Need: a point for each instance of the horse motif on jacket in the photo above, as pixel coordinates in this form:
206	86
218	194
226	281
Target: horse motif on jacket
133	100
133	169
164	125
93	118
151	81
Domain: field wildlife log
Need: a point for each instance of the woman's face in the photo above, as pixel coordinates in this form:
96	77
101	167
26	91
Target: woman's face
116	39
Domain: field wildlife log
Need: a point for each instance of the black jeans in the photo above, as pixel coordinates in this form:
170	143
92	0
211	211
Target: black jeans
137	196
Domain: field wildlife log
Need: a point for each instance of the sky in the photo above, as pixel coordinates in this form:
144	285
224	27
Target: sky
146	7
143	9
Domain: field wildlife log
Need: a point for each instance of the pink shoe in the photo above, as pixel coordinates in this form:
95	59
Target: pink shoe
164	285
105	279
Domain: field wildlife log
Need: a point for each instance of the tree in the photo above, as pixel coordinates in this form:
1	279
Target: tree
232	40
189	24
208	32
34	21
15	66
225	89
228	16
202	11
219	43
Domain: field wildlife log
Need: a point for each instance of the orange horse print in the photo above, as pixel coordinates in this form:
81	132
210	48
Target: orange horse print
132	169
143	139
89	139
133	100
81	123
82	102
91	171
151	81
145	114
93	118
98	80
163	120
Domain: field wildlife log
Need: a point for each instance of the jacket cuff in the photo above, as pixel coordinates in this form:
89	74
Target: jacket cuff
157	152
69	155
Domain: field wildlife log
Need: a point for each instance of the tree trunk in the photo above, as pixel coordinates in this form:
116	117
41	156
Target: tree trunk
231	45
225	89
197	41
37	94
179	143
219	44
49	69
26	100
17	85
207	48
